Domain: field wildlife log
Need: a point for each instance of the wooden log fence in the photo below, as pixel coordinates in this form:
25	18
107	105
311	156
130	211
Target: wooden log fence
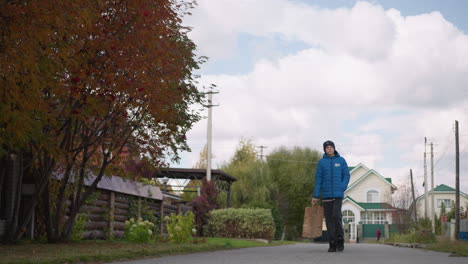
107	213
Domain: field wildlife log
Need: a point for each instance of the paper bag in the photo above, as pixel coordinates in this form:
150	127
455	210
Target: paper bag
313	219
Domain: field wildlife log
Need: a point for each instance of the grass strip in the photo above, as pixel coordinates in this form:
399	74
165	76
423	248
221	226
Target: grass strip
105	251
456	248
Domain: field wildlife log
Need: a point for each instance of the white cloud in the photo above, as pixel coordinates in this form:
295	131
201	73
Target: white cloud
408	75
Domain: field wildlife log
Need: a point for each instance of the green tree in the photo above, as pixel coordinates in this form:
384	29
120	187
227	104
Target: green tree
202	161
253	188
191	190
245	152
284	183
293	171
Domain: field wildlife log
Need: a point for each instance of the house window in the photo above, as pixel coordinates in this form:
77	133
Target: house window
365	217
373	217
380	217
373	196
447	203
348	216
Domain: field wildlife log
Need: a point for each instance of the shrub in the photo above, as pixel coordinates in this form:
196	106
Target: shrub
138	231
180	227
79	227
146	213
203	204
420	233
419	237
241	223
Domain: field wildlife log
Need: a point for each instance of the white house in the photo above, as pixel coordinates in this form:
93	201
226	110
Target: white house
442	194
368	199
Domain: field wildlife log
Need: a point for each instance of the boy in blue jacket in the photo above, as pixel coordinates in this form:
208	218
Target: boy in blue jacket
331	180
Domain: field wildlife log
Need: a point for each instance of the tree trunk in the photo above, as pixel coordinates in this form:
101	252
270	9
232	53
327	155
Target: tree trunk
80	198
3	165
16	177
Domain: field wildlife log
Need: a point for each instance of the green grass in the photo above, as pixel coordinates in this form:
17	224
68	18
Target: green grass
417	237
457	248
100	251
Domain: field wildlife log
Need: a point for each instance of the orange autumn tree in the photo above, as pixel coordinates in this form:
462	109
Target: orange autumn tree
107	74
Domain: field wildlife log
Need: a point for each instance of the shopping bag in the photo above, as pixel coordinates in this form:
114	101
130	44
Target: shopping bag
313	219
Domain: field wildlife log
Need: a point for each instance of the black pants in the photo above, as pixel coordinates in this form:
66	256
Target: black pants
333	219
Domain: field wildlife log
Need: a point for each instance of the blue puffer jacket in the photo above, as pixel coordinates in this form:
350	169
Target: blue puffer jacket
331	177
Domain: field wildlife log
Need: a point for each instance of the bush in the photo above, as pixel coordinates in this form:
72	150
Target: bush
241	223
138	231
421	233
180	227
146	213
203	204
79	227
419	237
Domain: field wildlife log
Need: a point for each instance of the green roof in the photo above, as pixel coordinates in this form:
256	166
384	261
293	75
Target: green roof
389	180
444	188
375	206
372	206
351	168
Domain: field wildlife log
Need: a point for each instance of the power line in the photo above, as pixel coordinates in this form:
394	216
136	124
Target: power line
445	151
301	161
261	151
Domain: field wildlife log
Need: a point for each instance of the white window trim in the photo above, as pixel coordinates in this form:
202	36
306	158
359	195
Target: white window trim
378	195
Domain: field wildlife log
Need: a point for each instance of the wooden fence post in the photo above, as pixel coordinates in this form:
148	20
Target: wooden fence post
111	215
139	208
161	214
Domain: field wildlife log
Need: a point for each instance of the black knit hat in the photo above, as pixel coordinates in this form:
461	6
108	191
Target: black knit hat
328	143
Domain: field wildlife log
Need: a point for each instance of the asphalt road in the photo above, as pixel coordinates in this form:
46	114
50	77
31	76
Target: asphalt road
311	254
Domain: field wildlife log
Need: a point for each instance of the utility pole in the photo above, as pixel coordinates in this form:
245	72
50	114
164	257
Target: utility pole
457	182
426	201
261	151
414	198
432	189
208	150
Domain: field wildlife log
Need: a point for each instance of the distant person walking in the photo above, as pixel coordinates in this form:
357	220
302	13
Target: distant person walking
377	234
331	180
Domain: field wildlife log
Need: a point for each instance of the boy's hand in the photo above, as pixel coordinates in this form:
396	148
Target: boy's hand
314	201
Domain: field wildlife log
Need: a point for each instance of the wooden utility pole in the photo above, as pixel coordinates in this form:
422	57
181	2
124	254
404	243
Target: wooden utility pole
426	200
433	213
414	198
457	182
208	158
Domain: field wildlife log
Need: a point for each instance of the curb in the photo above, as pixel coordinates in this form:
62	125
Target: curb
409	245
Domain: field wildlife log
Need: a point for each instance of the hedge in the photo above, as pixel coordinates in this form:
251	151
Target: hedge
241	223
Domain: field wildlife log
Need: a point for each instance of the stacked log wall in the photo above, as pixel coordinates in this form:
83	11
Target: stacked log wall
107	213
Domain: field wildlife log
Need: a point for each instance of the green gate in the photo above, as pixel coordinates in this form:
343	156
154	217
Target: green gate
368	230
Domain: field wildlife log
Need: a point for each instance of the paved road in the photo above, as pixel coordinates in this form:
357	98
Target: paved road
311	254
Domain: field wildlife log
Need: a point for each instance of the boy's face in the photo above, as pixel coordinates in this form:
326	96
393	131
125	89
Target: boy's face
330	151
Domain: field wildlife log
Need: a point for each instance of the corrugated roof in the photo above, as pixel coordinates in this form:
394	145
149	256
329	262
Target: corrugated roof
198	174
126	186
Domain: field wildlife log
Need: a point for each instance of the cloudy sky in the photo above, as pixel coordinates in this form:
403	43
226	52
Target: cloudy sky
376	77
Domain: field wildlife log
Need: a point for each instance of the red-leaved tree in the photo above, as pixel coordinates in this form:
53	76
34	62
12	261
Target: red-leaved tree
203	204
85	79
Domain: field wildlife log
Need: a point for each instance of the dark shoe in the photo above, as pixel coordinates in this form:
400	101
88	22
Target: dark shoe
340	245
332	247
